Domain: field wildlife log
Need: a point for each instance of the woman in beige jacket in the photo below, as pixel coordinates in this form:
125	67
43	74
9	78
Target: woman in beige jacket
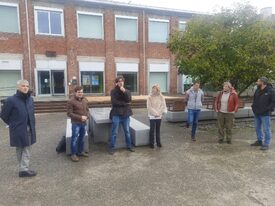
156	106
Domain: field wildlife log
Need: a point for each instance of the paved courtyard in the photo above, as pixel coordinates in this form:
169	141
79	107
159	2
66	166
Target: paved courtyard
181	173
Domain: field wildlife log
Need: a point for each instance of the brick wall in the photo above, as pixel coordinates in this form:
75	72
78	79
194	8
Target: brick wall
71	46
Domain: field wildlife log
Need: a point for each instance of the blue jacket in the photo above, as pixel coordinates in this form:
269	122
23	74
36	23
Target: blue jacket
18	112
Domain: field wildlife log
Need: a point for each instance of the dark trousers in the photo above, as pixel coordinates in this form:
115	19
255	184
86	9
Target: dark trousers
155	125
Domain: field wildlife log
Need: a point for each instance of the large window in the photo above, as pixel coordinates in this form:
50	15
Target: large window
182	26
159	75
90	25
92	82
92	77
9	21
158	30
8	80
130	73
49	21
130	80
126	28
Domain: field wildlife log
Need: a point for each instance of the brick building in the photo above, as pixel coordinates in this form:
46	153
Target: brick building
50	42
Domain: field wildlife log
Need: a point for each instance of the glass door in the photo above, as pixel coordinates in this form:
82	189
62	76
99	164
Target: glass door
57	85
44	87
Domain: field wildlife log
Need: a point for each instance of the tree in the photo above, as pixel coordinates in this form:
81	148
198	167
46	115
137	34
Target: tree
235	44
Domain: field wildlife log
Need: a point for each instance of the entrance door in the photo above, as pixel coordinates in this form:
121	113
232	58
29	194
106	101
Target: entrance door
44	87
58	87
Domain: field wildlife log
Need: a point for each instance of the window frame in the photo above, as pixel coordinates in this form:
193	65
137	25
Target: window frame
182	22
90	14
159	20
48	10
18	16
126	17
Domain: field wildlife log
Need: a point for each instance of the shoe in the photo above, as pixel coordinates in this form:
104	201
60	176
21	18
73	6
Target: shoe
28	173
187	125
152	146
220	141
131	150
228	142
111	151
264	147
74	158
257	143
83	154
193	139
159	145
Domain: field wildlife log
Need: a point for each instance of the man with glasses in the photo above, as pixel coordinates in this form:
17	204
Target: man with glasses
78	111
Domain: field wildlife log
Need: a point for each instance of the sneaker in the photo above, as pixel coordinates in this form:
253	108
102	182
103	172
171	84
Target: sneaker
257	143
111	151
193	139
84	154
131	150
228	142
152	146
74	158
264	147
28	173
220	141
159	145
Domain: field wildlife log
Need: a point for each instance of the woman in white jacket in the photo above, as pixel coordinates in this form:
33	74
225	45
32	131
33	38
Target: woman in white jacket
156	106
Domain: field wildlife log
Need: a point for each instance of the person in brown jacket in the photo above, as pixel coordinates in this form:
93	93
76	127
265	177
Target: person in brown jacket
226	105
78	111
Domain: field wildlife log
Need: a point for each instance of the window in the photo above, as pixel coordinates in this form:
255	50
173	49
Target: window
92	77
158	30
182	26
126	28
9	21
130	80
49	21
130	73
159	75
90	25
92	82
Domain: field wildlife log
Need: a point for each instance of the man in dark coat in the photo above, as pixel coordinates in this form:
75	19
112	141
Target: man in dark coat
120	113
263	105
18	114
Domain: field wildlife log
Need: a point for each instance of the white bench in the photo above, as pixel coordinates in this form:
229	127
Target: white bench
69	136
101	129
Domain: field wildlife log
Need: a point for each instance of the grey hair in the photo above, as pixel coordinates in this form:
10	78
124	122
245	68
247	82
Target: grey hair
228	84
22	81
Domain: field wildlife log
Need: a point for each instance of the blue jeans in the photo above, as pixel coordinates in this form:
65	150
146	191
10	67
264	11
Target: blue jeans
116	121
77	141
193	118
263	121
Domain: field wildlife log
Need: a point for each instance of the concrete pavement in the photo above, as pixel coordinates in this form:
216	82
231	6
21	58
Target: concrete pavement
181	173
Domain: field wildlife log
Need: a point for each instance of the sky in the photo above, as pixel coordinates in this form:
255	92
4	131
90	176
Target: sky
208	6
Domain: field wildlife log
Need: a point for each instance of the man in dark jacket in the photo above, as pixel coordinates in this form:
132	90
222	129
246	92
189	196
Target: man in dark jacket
120	113
18	113
78	111
263	105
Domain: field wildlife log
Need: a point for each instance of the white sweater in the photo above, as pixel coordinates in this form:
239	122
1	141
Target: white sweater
156	106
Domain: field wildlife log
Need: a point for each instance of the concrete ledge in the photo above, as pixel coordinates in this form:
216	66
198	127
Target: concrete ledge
207	114
68	138
139	132
101	129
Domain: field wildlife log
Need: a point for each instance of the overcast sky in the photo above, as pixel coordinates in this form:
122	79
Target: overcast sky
200	5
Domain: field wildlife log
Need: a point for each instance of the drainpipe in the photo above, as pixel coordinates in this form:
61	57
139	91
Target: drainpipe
144	53
29	44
